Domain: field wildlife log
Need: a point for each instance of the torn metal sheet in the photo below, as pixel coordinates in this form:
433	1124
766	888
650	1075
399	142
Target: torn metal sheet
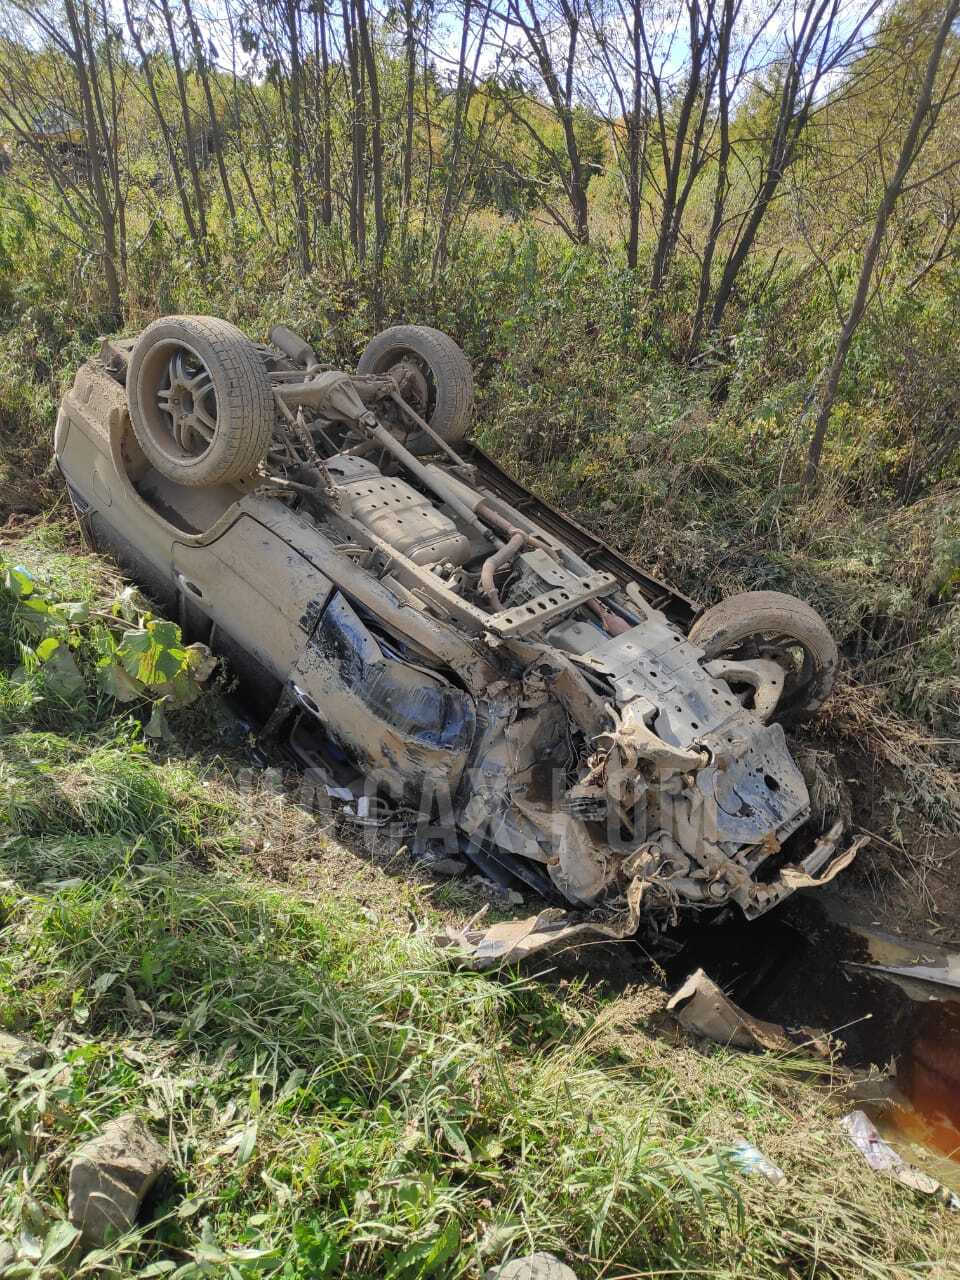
701	1007
919	981
511	941
802	878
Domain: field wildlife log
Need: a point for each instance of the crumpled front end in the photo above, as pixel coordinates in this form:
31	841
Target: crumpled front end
684	789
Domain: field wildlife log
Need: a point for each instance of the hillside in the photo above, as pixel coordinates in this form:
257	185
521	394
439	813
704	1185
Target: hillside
705	268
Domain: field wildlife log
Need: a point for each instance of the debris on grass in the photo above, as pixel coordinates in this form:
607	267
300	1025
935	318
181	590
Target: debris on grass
536	1266
750	1159
882	1158
110	1176
700	1006
510	941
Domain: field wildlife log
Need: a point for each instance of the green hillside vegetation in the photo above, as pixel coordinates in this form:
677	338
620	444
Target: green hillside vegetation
338	1100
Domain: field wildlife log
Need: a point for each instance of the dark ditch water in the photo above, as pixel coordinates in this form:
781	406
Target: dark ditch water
799	967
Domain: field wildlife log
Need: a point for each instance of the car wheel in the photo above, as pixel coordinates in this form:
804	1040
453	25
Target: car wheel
433	373
200	400
771	625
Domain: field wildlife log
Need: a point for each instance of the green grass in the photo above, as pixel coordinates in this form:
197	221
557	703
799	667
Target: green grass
339	1101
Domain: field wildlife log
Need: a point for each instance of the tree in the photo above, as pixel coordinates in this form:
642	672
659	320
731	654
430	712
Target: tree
62	81
821	40
929	103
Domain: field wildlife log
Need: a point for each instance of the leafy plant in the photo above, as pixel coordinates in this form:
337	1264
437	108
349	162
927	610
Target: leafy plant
146	663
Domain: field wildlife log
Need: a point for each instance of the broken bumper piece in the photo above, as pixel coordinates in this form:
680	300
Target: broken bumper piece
511	941
758	898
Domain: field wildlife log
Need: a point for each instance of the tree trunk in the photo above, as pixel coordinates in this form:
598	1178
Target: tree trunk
722	186
85	68
410	84
200	55
456	145
917	134
190	148
326	130
295	136
381	230
133	26
358	133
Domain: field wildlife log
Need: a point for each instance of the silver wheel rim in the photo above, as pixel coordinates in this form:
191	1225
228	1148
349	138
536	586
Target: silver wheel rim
179	401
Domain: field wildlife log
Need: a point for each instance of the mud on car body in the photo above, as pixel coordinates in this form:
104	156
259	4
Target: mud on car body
411	618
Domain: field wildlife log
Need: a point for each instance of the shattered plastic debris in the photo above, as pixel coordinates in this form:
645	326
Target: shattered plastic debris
750	1159
700	1006
882	1158
369	812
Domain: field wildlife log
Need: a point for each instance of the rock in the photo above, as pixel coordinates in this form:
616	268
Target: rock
536	1266
447	867
25	1054
109	1177
514	898
8	1256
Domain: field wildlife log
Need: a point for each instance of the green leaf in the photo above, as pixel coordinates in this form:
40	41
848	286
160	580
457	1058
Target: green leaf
18	580
247	1143
133	646
62	673
37	615
46	648
182	689
456	1140
425	1258
153	654
118	684
36	604
104	982
166	634
189	1207
60	1237
156	726
166	664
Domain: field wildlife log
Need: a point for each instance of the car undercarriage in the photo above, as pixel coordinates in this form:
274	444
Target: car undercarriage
425	632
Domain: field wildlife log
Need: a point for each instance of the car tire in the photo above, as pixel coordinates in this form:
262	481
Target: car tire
750	618
222	432
446	370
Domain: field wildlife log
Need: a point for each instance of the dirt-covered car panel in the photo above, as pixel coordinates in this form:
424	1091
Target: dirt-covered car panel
435	630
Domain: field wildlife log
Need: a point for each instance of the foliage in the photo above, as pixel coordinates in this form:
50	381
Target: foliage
147	664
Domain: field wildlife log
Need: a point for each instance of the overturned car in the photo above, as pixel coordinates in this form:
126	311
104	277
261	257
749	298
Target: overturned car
415	624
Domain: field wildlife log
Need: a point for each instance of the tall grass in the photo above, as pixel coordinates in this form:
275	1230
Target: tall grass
338	1102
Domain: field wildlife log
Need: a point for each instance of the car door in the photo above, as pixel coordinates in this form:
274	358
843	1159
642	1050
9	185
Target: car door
260	594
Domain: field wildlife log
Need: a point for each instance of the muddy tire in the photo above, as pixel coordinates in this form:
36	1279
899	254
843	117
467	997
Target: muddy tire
771	624
200	400
436	376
